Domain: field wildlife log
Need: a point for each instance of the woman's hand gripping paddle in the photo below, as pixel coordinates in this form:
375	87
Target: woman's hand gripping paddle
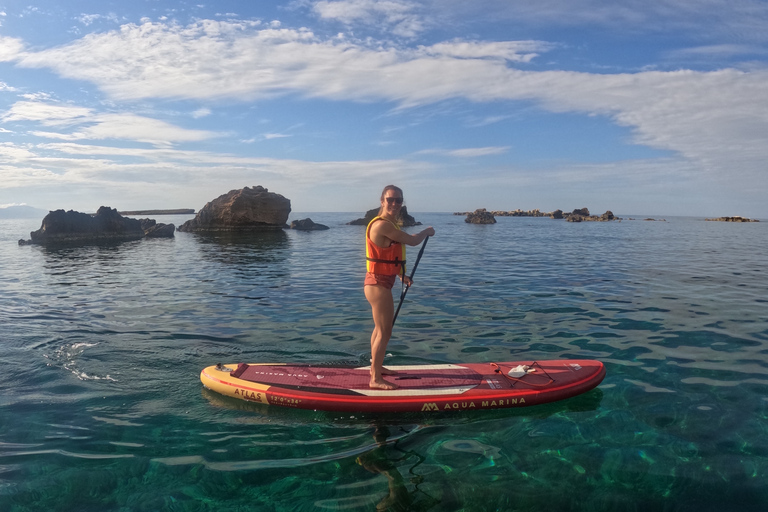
413	271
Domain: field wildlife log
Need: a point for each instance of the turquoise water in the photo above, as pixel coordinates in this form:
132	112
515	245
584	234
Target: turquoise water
101	408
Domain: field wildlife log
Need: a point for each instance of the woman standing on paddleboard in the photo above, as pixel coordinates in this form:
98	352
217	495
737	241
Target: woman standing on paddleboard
385	256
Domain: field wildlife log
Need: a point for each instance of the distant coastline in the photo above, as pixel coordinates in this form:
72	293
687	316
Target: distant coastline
180	211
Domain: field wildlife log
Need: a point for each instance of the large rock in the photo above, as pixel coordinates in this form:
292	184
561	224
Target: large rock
68	227
247	209
107	225
406	219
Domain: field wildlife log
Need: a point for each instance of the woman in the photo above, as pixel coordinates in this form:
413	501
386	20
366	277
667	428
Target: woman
385	256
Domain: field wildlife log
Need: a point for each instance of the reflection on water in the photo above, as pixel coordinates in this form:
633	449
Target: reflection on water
245	249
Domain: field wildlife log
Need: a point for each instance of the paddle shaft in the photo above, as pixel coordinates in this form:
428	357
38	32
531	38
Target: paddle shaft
413	271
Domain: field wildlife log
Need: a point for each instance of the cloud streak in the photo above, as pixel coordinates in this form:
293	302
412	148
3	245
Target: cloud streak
99	126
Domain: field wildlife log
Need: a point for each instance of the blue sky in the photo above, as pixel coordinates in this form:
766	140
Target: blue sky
656	107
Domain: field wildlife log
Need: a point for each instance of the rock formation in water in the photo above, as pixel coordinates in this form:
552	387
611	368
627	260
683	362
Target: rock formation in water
407	220
515	213
480	216
578	215
154	230
307	225
582	215
243	210
733	219
105	226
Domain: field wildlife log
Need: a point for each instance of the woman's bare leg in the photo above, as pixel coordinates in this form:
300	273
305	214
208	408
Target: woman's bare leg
383	308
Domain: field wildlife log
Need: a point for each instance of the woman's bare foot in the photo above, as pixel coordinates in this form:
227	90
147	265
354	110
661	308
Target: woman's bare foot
381	384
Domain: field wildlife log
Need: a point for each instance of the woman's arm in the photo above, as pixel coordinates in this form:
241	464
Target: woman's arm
387	230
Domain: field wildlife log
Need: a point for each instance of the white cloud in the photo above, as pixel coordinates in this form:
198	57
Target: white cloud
36	96
14	153
201	112
127	175
82	123
10	48
515	51
46	113
398	16
87	19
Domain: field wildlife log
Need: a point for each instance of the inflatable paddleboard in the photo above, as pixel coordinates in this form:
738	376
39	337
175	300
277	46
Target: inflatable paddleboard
421	388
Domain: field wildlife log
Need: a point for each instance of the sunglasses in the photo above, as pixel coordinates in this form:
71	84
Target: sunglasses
394	200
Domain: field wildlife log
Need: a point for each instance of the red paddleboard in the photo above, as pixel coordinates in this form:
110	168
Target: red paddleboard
421	388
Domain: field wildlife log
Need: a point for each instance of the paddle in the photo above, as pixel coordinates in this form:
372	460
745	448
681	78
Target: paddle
413	271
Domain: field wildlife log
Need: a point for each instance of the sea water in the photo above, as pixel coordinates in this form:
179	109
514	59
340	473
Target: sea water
101	346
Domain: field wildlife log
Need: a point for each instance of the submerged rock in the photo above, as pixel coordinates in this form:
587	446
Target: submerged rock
243	210
75	227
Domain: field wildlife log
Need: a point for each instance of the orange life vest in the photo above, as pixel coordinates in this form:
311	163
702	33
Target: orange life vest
389	261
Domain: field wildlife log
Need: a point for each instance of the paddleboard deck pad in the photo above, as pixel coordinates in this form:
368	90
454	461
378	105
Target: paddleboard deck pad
421	388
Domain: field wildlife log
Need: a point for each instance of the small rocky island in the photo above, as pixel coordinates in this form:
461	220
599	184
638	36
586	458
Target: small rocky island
244	210
480	216
733	219
407	219
107	225
178	211
307	225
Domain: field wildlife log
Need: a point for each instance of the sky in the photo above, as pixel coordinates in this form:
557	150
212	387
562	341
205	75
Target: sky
653	107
